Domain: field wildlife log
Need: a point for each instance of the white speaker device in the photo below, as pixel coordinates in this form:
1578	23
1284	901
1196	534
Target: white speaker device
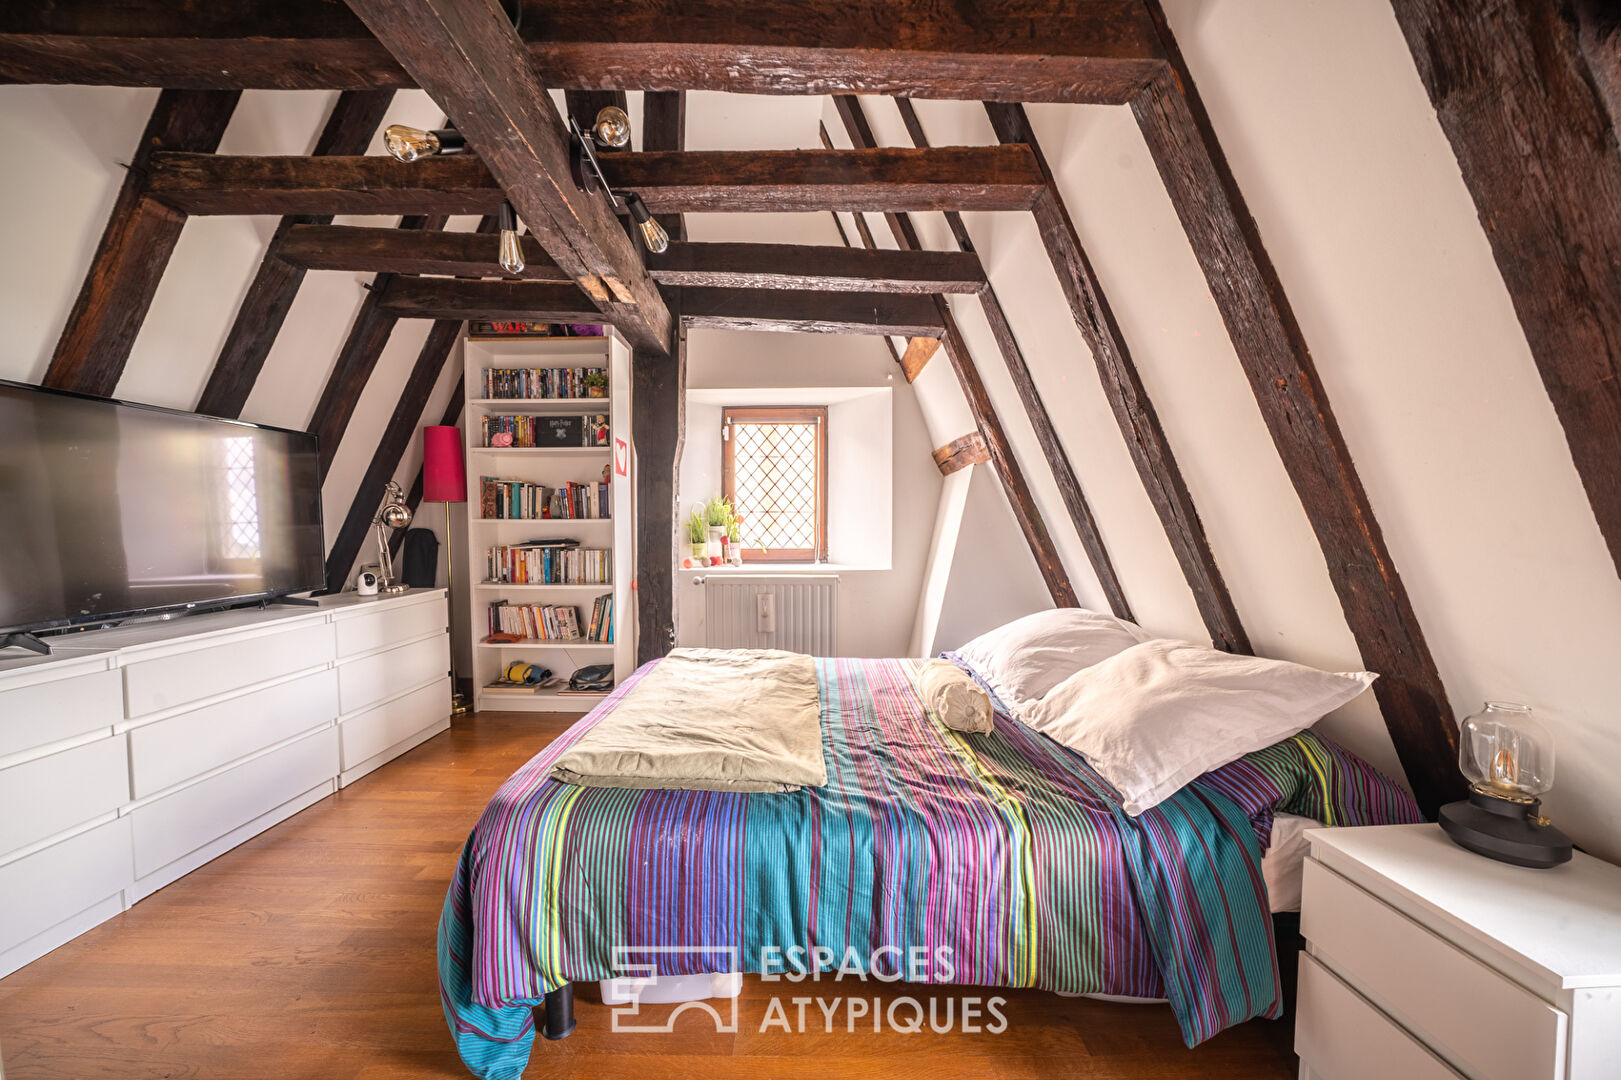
366	582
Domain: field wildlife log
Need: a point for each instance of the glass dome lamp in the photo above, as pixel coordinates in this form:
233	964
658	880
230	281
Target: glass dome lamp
1508	759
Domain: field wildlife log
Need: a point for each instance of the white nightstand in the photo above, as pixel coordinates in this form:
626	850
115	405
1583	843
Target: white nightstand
1426	962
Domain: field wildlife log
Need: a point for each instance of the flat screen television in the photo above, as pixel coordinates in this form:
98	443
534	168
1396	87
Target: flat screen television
110	510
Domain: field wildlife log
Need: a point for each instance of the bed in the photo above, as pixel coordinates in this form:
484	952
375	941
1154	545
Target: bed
1005	848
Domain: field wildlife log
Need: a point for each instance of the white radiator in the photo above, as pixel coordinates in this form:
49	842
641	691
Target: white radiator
797	613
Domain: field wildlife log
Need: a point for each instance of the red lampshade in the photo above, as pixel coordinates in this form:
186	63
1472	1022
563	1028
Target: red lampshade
444	477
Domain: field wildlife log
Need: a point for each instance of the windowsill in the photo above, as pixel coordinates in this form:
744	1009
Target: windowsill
781	568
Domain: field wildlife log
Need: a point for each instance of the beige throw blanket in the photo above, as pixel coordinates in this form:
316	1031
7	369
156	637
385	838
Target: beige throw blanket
709	720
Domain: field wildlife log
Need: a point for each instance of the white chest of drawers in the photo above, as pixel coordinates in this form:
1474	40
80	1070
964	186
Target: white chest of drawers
1428	962
132	756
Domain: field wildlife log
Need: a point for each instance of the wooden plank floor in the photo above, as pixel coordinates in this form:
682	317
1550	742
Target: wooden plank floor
309	952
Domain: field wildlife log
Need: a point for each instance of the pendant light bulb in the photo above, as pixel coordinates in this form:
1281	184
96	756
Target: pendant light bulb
511	252
611	127
653	234
408	143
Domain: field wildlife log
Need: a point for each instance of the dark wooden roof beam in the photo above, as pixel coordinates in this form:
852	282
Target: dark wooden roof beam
725	181
1098	51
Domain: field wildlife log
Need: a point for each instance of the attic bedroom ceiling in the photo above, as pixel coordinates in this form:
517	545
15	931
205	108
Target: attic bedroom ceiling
1263	525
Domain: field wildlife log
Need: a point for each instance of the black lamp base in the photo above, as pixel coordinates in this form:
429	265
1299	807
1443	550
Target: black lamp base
1504	830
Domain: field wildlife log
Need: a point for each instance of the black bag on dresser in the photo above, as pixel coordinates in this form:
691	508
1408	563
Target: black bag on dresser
419	559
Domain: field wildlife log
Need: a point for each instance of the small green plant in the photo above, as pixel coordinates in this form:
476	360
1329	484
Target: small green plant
719	513
596	380
697	528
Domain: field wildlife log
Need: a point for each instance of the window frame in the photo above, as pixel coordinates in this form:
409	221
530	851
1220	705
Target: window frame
783	414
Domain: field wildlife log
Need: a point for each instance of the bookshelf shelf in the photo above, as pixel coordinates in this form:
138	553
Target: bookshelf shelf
566	404
540	451
550	466
547	643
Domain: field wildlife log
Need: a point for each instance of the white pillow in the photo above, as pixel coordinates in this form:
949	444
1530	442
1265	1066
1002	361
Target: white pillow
1027	657
1162	713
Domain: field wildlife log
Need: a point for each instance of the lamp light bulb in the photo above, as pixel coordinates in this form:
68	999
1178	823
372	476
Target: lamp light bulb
611	127
653	234
408	143
511	251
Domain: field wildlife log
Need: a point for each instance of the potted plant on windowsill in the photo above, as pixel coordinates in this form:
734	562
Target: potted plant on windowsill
718	513
698	536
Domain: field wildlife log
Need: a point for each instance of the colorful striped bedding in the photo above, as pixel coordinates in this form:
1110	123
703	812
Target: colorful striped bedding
1006	847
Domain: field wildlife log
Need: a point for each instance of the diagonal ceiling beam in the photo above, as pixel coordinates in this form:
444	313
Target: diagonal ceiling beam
1128	399
469	59
1273	352
134	251
1019	496
349	130
721	181
728	265
1096	51
1052	448
1526	113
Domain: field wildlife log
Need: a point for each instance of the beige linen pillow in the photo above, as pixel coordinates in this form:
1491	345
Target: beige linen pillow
1162	713
952	694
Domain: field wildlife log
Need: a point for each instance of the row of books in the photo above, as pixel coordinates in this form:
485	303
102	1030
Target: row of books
520	499
540	383
532	565
531	432
536	622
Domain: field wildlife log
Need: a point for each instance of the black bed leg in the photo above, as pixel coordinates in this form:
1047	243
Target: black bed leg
560	1012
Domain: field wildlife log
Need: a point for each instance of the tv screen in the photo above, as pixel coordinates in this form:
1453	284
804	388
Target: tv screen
110	509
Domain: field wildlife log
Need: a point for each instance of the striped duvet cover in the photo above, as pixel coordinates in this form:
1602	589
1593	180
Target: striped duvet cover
1006	848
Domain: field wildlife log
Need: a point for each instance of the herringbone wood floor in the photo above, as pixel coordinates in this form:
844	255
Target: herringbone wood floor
308	952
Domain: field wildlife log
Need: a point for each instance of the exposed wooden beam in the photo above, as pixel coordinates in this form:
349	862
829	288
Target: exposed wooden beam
1019	496
357	357
960	453
1527	120
719	181
467	56
135	247
403	423
725	265
1275	358
1599	32
658	406
1068	484
804	312
919	351
349	130
453	298
360	249
821	267
1099	51
1139	424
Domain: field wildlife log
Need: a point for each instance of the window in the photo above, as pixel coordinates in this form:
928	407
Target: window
774	472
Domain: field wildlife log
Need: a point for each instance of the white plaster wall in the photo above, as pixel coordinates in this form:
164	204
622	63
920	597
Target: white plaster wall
877	607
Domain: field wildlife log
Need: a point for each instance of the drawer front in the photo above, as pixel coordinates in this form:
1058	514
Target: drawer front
1469	1013
170	681
375	730
172	751
50	711
43	797
178	824
64	879
369	680
1339	1036
389	626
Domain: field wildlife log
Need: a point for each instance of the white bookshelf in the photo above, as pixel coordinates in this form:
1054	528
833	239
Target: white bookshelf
551	466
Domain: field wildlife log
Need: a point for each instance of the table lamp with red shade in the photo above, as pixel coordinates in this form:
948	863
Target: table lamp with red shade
444	480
